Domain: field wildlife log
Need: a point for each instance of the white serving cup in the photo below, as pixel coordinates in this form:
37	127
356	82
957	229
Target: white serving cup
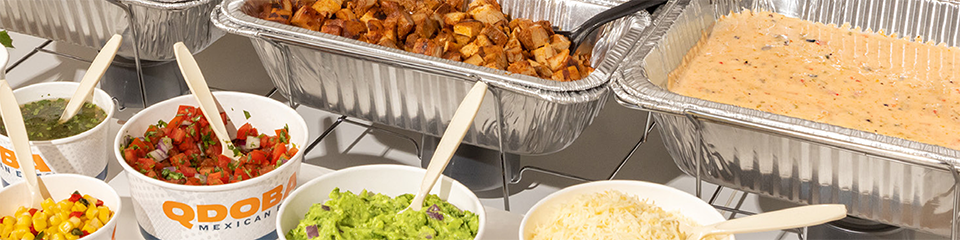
242	210
388	179
61	186
665	197
84	153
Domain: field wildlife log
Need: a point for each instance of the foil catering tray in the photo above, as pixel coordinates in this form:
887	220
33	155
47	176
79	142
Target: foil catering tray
880	178
90	23
420	93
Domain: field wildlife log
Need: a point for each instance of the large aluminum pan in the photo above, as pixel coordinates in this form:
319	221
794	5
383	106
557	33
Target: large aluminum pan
420	93
881	178
90	23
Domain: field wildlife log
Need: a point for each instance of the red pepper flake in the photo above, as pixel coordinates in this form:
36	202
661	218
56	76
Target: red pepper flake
934	111
801	81
32	211
76	214
838	94
721	62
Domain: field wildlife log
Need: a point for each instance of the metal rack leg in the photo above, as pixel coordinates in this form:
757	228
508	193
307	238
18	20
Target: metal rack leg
324	134
501	131
25	57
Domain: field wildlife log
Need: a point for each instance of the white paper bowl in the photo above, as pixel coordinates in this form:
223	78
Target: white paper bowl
667	198
241	210
60	187
392	180
84	153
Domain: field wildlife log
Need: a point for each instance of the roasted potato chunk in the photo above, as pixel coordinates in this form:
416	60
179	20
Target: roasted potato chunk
327	7
487	14
522	67
307	18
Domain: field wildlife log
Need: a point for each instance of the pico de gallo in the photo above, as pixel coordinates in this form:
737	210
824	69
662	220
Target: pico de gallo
186	151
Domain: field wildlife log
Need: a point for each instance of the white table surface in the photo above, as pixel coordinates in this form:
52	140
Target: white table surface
500	224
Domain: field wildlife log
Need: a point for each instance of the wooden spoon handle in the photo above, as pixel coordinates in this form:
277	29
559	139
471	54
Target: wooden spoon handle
198	85
450	141
17	132
92	77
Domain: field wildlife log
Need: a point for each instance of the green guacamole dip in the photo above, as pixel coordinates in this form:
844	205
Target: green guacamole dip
375	216
41	118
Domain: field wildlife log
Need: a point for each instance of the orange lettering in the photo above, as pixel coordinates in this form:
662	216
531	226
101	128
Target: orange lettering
6	156
291	184
203	213
236	211
41	165
183	219
272	198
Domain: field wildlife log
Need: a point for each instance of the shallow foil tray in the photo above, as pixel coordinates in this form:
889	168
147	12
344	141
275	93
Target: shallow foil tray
420	93
90	23
880	178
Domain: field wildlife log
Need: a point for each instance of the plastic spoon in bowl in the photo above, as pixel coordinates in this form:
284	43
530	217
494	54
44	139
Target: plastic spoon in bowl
197	84
782	219
579	36
17	132
450	141
91	77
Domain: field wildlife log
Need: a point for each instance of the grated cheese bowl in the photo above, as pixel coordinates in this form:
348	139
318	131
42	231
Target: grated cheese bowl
668	198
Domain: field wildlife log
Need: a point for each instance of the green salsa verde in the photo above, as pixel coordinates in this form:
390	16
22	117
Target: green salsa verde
41	118
377	216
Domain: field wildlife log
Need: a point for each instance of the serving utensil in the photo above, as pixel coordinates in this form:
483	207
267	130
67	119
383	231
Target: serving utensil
198	85
586	32
450	141
17	132
776	220
91	77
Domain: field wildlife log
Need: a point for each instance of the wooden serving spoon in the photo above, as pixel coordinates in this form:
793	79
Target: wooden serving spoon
776	220
450	141
17	132
194	78
92	77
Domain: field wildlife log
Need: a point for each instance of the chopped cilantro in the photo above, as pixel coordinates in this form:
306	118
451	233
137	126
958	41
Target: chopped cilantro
171	175
283	138
246	114
5	39
40	235
161	123
232	165
236	151
245	170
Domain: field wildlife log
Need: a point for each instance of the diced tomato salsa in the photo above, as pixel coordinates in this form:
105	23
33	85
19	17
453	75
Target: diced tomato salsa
186	151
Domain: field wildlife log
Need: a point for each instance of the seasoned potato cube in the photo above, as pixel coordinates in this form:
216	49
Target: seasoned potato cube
475	60
443	9
470	49
332	26
546	26
279	15
543	53
451	55
456	4
409	5
483	41
513	50
542	70
522	67
428	47
425	27
468	28
494	54
345	14
370	15
388	42
538	36
495	35
307	18
477	3
487	13
353	29
327	7
375	30
405	24
451	19
559	42
560	60
361	6
461	39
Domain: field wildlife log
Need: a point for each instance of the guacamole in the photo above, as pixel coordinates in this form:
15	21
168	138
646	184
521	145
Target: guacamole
40	118
377	216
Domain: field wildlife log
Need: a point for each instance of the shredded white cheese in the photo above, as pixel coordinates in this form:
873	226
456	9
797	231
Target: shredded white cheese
611	215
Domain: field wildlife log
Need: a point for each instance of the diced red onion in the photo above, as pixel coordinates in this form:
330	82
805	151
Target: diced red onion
171	168
203	178
434	212
252	143
186	123
325	207
158	155
312	231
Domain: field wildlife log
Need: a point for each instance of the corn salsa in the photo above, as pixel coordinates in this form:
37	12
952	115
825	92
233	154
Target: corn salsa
69	219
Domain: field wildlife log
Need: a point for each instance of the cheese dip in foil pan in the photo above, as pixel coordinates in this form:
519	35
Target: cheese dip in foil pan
90	23
880	178
420	93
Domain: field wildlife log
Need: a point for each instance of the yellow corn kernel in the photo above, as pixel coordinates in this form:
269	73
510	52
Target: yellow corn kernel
89	228
57	236
40	222
6	231
71	237
65	227
27	236
24	221
20	210
91	213
79	207
47	203
65	206
18	233
8	221
96	224
75	222
53	221
103	214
